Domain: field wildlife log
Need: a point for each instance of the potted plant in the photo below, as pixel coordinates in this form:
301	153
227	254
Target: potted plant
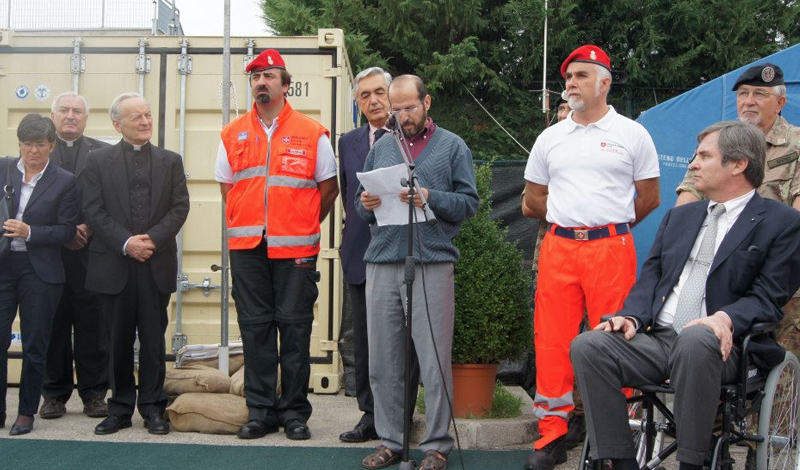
493	314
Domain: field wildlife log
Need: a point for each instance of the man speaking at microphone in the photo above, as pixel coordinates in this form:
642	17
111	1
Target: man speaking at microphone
446	179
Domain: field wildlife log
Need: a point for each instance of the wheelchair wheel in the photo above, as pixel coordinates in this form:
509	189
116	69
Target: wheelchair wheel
779	419
636	416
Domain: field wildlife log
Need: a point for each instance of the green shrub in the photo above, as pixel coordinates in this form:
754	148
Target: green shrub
493	315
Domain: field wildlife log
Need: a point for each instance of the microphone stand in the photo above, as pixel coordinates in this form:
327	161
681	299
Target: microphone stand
408	280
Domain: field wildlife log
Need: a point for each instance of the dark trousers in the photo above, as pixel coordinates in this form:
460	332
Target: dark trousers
79	314
139	307
275	296
37	301
604	363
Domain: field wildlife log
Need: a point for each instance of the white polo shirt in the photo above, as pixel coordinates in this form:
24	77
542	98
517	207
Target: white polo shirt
590	170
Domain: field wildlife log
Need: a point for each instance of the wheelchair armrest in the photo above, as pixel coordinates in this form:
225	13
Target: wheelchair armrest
762	328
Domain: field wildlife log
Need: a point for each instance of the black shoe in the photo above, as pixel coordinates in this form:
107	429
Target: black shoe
2	420
156	424
360	433
112	424
548	456
95	407
23	425
256	428
297	430
576	432
52	408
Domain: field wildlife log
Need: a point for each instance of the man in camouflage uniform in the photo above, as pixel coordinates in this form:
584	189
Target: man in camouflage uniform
760	96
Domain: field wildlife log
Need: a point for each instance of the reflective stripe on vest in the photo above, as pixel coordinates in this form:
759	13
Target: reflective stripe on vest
252	231
309	240
285	181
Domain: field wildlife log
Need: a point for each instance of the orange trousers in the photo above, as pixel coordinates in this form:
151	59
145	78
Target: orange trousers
574	277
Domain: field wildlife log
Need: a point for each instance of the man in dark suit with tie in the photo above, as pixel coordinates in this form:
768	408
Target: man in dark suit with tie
715	268
135	198
79	312
43	213
372	94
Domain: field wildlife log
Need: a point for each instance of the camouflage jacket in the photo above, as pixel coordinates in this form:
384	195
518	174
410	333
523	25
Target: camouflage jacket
781	170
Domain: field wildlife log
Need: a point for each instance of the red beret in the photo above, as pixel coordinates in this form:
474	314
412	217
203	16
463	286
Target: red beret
269	59
587	53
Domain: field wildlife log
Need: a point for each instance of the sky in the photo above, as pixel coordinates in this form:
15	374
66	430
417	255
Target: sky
205	17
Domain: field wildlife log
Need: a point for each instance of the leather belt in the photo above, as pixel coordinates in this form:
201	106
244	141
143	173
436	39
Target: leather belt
594	233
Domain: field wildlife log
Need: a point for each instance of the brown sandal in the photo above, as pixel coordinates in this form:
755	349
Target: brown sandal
382	457
433	460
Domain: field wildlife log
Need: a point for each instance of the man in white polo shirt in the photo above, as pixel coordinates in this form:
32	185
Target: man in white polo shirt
591	177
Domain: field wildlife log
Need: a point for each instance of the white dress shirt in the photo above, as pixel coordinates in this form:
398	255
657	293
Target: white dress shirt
26	189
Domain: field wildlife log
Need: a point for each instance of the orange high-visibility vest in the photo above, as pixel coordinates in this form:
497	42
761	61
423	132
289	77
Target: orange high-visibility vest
289	212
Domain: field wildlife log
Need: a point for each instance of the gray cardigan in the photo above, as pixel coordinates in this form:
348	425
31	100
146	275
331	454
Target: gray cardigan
445	169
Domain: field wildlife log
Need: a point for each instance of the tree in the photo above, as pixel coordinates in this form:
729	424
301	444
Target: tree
494	50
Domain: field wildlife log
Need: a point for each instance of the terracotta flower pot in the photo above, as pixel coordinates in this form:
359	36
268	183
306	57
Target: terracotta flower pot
473	389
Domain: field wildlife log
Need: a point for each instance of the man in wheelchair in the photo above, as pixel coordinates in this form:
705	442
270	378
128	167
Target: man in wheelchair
716	268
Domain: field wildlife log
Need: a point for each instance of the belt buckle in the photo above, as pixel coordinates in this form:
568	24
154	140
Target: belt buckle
581	235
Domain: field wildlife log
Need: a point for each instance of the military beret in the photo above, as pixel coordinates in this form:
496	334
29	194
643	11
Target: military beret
587	53
760	75
269	59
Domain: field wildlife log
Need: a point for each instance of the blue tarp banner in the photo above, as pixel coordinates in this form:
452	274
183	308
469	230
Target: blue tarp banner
674	126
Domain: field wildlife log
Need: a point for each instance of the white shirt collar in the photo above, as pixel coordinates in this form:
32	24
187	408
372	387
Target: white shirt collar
733	207
36	177
603	123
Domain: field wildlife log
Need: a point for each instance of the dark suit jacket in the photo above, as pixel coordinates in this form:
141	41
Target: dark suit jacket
106	206
353	150
87	144
51	212
755	270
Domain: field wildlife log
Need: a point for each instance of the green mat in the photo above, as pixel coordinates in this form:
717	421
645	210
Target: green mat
41	454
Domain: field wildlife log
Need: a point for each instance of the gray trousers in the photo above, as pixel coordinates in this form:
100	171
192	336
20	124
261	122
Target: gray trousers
604	363
386	300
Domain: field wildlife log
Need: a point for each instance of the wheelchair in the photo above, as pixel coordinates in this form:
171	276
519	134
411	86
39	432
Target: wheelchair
773	396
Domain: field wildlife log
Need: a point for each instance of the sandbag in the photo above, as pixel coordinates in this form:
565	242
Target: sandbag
196	378
237	383
208	413
235	362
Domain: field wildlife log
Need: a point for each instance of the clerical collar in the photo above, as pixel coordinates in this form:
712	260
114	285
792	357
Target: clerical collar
68	143
136	148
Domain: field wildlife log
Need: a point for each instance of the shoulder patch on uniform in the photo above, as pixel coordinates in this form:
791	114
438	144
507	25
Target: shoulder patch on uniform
784	160
242	136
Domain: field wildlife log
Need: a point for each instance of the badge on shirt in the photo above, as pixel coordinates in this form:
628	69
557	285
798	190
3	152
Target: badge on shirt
296	152
784	160
242	136
287	139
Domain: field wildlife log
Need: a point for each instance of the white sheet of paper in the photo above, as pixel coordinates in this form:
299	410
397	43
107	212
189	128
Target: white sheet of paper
385	182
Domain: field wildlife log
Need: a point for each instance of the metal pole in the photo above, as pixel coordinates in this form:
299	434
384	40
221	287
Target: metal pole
251	44
173	27
545	96
103	16
154	29
226	111
142	45
179	339
75	64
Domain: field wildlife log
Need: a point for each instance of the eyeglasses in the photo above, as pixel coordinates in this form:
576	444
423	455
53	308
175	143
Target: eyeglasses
40	145
758	95
409	110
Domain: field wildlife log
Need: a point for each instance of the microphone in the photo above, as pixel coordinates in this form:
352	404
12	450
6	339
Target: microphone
564	95
391	123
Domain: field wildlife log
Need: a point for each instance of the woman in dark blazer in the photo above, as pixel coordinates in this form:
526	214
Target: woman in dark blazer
44	213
